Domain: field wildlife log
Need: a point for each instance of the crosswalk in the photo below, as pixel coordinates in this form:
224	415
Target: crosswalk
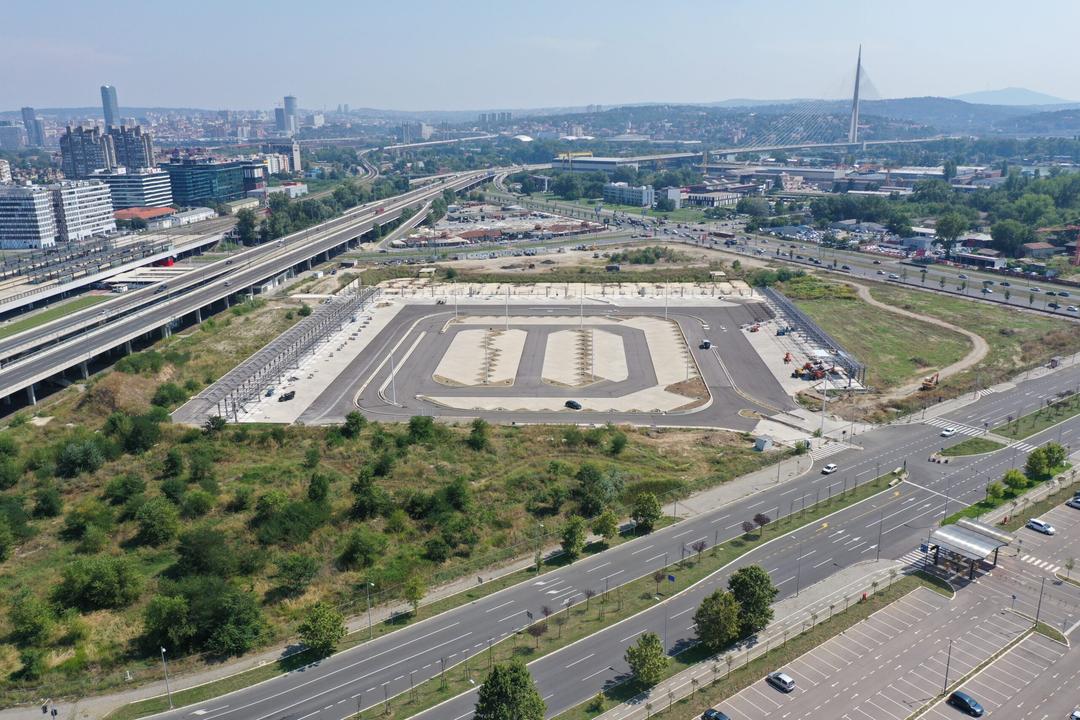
1025	447
1041	564
961	428
915	558
825	451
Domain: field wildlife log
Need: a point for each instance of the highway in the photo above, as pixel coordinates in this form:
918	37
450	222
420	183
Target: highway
902	516
82	335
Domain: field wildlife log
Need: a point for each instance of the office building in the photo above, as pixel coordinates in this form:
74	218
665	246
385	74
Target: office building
138	188
109	106
5	171
12	136
280	122
84	151
412	132
35	128
201	180
254	174
292	119
134	148
26	217
621	193
83	209
316	120
287	147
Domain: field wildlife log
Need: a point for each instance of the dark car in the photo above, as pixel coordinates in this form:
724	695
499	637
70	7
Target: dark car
713	714
844	267
877	262
965	703
573	404
286	396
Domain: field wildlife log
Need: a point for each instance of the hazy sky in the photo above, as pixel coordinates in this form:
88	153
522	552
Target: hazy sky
469	54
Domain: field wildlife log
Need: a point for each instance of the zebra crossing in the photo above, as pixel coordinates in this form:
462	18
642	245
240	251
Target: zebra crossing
961	428
1041	564
916	558
825	451
1024	446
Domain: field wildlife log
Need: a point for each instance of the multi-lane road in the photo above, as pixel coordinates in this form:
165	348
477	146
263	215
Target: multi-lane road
901	516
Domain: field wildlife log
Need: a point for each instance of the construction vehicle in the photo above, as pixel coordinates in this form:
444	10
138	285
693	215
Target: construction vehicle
931	382
755	328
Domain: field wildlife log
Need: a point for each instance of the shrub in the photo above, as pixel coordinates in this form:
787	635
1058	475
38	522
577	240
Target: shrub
158	521
169	394
9	472
295	572
204	614
362	548
174	489
47	501
31	619
121	488
97	583
205	551
293	523
88	513
197	503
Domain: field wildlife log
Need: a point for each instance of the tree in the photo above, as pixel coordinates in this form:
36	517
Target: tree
717	620
1055	455
1070	563
509	693
761	520
318	488
949	227
754	591
31	619
247	227
7	539
167	620
597	490
369	500
1037	465
1015	480
748	527
158	521
354	423
322	629
214	425
647	659
362	548
537	630
415	590
618	442
478	435
295	572
646	512
607	526
98	583
995	491
573	536
1009	237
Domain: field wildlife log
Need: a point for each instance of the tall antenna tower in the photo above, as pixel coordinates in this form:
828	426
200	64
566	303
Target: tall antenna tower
853	129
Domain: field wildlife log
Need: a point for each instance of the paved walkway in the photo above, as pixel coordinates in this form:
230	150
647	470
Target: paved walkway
732	491
793	615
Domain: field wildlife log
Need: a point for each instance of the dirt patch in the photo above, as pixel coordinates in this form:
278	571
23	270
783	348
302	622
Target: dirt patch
119	391
692	388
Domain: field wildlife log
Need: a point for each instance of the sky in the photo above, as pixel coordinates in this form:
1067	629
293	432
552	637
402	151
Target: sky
474	55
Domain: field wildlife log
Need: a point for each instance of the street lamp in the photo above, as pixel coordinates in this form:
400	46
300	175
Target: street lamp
367	595
165	665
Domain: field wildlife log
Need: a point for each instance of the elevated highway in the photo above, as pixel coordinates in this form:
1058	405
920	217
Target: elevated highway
81	337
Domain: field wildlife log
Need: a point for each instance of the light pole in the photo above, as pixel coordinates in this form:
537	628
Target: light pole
948	661
539	537
1038	608
881	520
367	595
165	666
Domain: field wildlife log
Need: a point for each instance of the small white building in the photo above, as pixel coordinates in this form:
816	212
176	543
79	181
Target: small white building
621	193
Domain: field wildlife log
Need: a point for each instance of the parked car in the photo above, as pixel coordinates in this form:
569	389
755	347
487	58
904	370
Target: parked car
1074	503
894	276
1071	308
1041	526
781	681
844	267
1053	306
829	469
286	396
714	714
948	432
962	276
269	392
965	703
573	404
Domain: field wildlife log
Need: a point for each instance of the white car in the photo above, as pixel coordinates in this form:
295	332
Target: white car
1074	715
1071	308
829	469
1041	526
948	432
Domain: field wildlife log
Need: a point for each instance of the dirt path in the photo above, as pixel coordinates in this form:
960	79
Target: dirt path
978	351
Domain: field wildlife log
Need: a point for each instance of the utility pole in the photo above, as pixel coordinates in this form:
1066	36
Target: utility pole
948	661
367	594
881	520
165	665
1038	608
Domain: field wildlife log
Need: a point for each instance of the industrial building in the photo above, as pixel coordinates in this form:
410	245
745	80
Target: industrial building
27	219
83	209
592	164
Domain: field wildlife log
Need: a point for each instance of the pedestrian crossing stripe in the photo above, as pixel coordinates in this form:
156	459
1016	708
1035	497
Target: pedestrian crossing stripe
1026	447
961	429
1041	564
826	450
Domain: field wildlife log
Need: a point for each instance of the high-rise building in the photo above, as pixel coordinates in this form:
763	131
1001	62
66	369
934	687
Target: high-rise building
35	128
145	187
198	181
27	219
12	136
412	132
86	150
5	171
287	147
134	148
83	209
292	119
280	122
109	106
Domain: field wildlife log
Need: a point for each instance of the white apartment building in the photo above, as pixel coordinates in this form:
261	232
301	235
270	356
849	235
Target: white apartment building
27	219
83	209
145	187
621	193
5	171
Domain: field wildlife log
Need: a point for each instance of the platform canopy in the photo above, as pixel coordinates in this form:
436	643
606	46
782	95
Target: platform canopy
968	542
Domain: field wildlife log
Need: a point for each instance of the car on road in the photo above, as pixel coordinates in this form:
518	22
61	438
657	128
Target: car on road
1035	289
844	267
714	714
1041	526
1050	293
1006	283
1062	293
1071	308
877	262
880	272
948	432
573	404
894	276
1074	715
962	276
829	469
965	703
781	681
987	291
1053	306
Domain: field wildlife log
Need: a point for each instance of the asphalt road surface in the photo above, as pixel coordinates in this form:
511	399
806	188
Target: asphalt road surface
901	517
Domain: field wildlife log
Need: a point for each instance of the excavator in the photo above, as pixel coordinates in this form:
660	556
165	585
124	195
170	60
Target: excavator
931	382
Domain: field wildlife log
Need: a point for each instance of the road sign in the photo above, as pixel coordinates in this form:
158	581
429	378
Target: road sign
671	578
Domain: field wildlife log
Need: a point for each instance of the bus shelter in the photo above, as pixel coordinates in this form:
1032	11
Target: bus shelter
967	544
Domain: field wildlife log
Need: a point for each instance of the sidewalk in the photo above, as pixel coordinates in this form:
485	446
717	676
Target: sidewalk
712	498
793	615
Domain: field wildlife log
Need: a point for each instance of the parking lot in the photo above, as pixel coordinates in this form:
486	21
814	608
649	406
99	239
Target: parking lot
1005	687
890	664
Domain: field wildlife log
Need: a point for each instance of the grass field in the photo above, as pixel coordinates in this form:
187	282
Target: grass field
896	349
52	313
972	446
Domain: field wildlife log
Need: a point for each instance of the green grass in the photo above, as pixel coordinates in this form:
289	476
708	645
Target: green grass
1048	503
52	313
1055	635
988	503
972	446
1041	419
727	683
896	349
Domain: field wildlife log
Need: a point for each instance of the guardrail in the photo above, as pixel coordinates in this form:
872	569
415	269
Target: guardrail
801	321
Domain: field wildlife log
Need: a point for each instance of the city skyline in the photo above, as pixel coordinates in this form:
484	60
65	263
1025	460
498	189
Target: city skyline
553	56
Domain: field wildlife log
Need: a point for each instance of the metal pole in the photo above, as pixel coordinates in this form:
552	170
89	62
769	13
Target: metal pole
798	571
948	661
165	665
367	595
1038	608
881	519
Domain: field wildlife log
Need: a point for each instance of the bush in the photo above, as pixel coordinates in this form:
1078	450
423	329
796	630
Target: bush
31	619
120	489
88	513
293	523
205	614
47	502
98	583
362	548
158	521
75	458
9	472
197	503
647	512
295	572
146	363
93	541
322	629
436	550
205	551
7	539
169	394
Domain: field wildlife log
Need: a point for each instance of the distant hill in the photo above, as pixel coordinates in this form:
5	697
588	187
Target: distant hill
1011	96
